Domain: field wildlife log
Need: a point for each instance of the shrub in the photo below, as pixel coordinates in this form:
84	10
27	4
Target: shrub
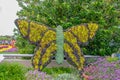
12	71
55	71
58	70
106	42
110	59
67	76
73	12
24	47
37	75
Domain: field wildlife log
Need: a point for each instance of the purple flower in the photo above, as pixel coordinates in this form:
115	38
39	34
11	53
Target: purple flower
11	50
103	70
37	75
117	71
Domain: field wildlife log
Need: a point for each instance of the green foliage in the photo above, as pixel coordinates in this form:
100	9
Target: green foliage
59	42
110	59
37	75
58	70
12	71
72	12
67	76
52	74
22	44
6	37
90	60
106	42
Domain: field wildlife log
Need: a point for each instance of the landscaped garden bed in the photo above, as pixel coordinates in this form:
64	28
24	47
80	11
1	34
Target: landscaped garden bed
7	48
63	28
103	69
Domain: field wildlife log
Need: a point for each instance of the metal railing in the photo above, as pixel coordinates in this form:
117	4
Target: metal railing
18	56
30	55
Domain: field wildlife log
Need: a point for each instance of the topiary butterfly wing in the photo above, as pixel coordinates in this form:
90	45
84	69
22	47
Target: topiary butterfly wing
48	48
92	27
74	37
22	26
43	37
31	30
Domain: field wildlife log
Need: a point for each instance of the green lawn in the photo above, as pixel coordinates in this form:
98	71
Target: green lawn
8	52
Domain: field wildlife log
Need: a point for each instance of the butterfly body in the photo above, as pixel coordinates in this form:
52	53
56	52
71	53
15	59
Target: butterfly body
47	42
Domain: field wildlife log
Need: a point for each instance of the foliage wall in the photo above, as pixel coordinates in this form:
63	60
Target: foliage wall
24	47
67	13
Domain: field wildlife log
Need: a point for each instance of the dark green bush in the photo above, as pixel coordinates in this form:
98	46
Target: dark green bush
106	42
71	12
12	71
67	13
24	47
55	71
58	70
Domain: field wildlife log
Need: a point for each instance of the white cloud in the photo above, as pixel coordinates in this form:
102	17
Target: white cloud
8	12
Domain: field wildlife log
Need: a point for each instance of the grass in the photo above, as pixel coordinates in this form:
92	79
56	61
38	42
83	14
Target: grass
55	71
12	71
16	71
8	52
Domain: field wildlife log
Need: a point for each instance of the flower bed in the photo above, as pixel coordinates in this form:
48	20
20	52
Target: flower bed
104	69
11	50
3	46
7	48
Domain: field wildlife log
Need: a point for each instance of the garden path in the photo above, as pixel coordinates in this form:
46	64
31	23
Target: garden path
27	63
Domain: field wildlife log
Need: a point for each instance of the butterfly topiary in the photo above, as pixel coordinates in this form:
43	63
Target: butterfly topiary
56	42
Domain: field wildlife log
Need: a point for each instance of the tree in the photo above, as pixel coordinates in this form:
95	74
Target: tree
70	12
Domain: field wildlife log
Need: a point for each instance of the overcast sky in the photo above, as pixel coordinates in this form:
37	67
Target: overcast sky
8	10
